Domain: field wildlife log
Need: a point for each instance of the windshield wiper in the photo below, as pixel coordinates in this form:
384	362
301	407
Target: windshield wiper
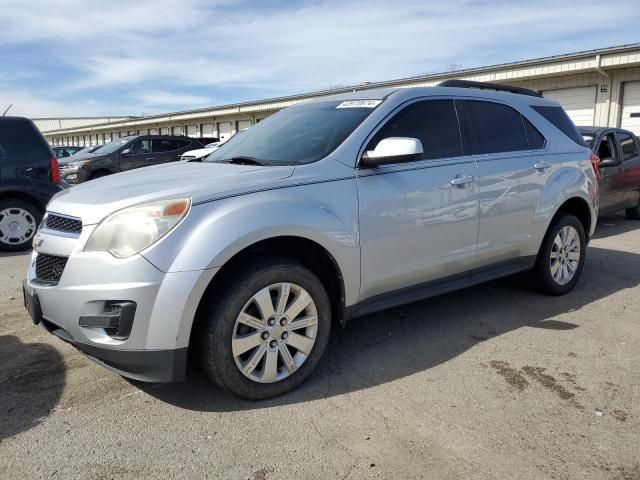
241	160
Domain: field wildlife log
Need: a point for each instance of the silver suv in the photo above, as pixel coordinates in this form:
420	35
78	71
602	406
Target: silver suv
322	212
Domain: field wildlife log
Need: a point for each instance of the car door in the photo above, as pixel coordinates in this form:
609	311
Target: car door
419	219
167	149
611	186
137	154
512	171
630	153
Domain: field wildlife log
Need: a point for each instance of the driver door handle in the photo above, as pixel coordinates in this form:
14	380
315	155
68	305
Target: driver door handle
542	166
462	181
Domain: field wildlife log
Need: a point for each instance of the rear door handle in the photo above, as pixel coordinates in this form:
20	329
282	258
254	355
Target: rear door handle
542	166
462	181
149	159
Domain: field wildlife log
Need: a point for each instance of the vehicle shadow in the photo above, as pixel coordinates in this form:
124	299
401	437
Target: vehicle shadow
32	378
614	224
24	253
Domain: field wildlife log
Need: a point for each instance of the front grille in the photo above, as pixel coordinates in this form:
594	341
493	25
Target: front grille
49	268
63	224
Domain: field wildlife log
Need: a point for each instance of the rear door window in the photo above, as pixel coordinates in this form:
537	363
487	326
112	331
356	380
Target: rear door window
534	137
628	145
165	145
433	122
496	128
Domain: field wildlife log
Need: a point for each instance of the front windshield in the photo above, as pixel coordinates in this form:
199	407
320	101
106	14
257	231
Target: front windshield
113	146
588	139
297	135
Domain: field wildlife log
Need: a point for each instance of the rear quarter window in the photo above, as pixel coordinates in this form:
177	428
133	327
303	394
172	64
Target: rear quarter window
20	138
559	118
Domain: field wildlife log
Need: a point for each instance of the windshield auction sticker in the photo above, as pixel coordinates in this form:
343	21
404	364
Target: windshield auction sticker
360	104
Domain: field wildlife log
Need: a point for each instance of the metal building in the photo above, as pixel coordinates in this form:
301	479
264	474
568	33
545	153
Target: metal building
597	87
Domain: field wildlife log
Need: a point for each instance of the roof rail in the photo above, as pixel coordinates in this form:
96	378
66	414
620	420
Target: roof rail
489	86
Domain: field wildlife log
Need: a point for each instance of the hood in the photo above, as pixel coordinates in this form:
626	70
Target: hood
94	200
79	158
199	152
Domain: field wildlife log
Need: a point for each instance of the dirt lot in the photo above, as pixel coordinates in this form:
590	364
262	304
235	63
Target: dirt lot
491	382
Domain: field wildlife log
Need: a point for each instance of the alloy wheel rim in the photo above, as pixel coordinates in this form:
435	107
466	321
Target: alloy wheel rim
17	226
565	255
275	332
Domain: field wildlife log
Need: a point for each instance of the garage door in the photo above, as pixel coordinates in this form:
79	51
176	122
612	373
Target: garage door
243	124
631	107
192	130
579	103
208	129
224	131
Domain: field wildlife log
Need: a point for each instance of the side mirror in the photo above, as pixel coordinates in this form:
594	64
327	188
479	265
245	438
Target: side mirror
394	149
609	162
126	151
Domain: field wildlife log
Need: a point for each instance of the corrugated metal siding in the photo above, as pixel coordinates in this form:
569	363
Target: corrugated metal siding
50	124
566	71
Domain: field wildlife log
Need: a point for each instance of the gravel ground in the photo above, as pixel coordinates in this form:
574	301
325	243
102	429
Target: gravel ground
491	382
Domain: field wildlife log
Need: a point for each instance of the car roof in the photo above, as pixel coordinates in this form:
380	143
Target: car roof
596	130
414	92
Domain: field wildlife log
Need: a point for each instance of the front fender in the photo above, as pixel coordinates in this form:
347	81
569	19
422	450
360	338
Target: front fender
213	232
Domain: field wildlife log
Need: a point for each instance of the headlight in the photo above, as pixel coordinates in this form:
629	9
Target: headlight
132	229
74	165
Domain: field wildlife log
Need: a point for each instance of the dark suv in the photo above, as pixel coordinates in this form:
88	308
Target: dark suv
126	153
28	179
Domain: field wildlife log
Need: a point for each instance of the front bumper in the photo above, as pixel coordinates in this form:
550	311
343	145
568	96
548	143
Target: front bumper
155	348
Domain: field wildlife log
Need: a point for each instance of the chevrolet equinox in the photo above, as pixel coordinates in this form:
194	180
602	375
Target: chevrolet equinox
321	212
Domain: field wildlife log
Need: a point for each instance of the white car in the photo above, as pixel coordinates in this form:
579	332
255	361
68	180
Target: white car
201	153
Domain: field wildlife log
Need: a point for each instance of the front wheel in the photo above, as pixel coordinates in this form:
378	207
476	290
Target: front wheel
266	330
634	212
561	256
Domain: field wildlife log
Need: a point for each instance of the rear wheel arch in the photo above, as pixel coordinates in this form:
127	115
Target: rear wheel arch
578	207
16	194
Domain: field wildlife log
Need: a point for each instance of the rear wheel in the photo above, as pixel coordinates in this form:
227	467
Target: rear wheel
19	221
266	330
634	212
561	256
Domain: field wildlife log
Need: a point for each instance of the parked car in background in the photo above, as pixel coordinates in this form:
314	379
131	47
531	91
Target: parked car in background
200	154
64	152
323	211
126	153
84	150
619	184
28	179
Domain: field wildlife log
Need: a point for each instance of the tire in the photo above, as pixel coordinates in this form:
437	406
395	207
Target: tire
19	220
634	212
98	174
222	333
548	275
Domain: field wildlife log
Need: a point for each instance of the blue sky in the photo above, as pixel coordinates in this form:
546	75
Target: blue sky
103	57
